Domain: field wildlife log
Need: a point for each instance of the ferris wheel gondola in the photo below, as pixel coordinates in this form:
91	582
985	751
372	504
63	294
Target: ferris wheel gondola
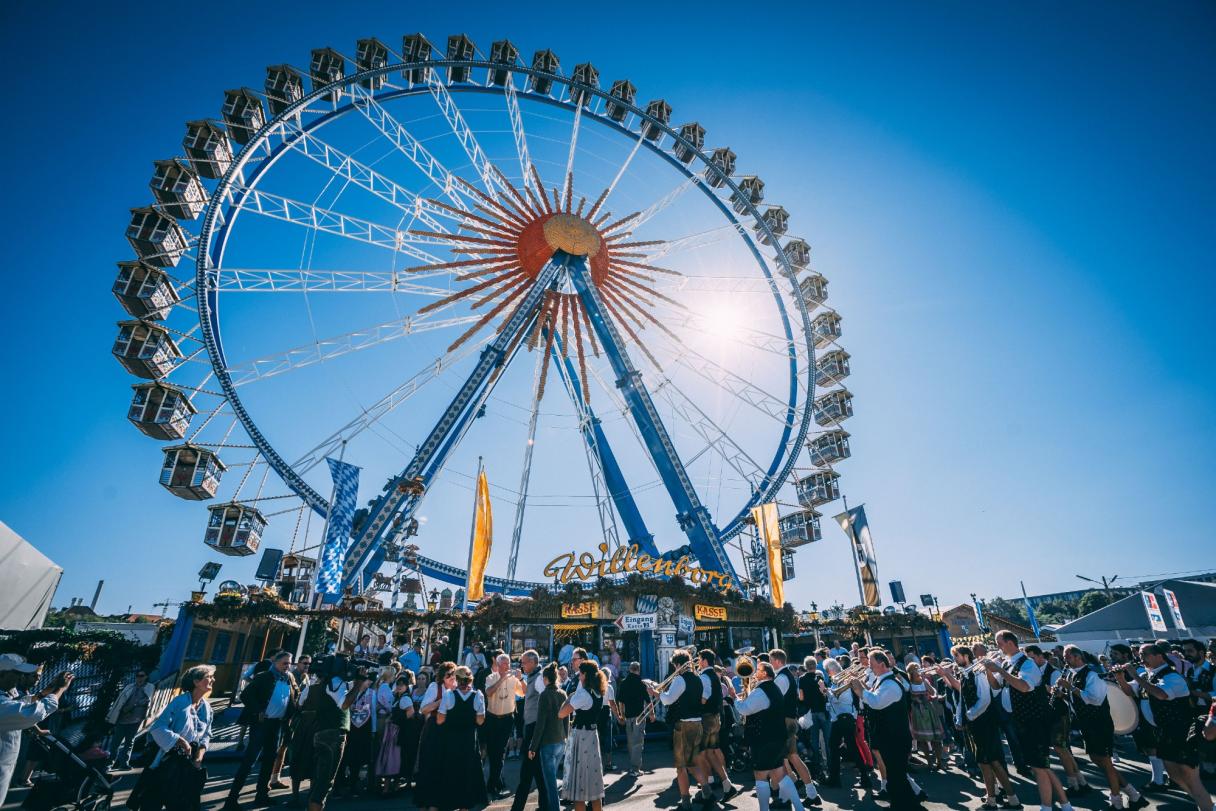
538	214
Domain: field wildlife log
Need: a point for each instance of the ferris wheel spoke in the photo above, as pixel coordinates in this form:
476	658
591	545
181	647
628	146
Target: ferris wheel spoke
287	280
617	178
694	242
408	145
684	319
663	203
460	128
327	349
362	175
326	221
729	382
715	437
372	414
518	133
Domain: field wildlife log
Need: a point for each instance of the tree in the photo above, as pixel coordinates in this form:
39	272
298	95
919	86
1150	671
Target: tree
1013	610
1091	601
1056	612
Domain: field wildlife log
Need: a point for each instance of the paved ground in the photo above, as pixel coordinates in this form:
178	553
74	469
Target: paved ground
950	790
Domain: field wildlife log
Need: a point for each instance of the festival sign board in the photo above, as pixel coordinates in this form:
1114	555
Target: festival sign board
578	610
636	622
709	612
1153	609
1171	599
686	626
586	567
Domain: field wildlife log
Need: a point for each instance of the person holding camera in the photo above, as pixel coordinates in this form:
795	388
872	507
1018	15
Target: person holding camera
19	709
331	699
267	702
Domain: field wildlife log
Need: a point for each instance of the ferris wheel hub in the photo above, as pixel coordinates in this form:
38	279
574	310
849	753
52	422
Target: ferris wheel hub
572	234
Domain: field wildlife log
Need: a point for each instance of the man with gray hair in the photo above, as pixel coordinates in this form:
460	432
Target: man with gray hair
632	698
529	768
502	686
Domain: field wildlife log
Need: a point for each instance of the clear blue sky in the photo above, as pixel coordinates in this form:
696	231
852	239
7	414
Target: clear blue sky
1013	204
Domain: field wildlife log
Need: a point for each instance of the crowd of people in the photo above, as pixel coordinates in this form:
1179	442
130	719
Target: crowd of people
379	721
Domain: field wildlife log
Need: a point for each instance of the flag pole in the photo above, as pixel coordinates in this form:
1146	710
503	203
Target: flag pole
472	533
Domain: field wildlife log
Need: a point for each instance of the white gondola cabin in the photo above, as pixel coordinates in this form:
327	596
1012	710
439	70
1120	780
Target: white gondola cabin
797	253
145	349
191	472
296	576
799	529
371	54
818	488
625	94
831	367
326	66
284	87
834	407
243	114
826	328
178	190
502	52
814	289
660	111
234	529
161	411
829	447
145	291
416	48
723	158
751	191
545	61
778	221
208	148
156	237
694	133
585	73
460	47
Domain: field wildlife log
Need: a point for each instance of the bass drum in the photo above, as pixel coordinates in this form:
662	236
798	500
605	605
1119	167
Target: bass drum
1123	711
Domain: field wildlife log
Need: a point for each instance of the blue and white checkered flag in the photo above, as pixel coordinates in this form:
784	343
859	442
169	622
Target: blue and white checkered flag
337	530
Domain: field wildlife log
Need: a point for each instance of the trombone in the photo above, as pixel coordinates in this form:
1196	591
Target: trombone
691	664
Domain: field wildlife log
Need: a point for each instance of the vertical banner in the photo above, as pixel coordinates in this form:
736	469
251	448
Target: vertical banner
1171	600
979	613
1034	621
855	525
1153	609
768	525
483	539
337	529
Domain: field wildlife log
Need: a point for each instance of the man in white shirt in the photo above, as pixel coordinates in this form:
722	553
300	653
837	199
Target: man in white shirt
683	700
764	732
787	683
889	730
979	716
19	710
503	685
1091	707
1169	704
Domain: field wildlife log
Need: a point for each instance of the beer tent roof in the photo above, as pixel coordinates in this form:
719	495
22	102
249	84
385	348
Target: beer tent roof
28	580
1127	619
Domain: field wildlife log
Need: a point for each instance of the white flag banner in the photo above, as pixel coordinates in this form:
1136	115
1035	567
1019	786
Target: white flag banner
1153	609
1171	599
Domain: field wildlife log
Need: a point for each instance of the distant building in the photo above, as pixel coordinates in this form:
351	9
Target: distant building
961	623
1117	591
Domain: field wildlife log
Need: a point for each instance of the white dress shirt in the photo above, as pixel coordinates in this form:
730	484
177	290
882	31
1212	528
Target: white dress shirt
755	702
280	697
785	682
450	697
886	693
1094	691
1173	684
676	689
843	704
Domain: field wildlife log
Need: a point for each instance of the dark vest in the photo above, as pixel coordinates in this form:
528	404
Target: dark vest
970	695
329	714
714	704
789	701
812	699
463	715
769	723
1173	716
688	705
1031	707
889	726
589	719
1090	716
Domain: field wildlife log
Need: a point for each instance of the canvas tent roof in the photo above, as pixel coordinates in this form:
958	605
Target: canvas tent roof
28	580
1126	618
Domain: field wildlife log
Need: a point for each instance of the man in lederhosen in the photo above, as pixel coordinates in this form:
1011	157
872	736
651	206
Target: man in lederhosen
1092	711
1145	735
713	762
1060	704
889	730
977	716
1169	703
763	710
684	699
1024	696
787	682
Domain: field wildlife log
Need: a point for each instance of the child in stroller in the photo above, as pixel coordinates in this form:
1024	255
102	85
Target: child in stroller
75	779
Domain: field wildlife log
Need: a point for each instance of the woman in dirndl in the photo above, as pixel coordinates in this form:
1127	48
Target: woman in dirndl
411	730
927	728
387	764
460	713
429	790
584	769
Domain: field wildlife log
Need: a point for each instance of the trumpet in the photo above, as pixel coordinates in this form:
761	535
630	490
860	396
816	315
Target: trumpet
845	678
978	665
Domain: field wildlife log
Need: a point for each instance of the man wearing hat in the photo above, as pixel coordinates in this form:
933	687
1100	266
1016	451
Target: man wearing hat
19	710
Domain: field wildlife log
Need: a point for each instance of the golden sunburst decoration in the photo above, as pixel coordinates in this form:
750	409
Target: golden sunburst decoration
511	239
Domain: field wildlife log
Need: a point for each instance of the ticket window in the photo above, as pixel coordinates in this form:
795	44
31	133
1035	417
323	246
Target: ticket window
715	639
531	637
580	635
744	637
624	642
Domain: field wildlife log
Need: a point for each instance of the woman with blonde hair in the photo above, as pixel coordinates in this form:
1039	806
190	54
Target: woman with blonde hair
584	771
386	763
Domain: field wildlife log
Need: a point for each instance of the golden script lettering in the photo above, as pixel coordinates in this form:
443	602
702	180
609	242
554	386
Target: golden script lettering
626	560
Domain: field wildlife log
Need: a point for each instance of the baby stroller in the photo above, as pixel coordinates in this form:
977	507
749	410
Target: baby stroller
75	781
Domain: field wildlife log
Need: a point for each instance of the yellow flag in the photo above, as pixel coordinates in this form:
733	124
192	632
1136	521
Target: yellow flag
766	518
483	539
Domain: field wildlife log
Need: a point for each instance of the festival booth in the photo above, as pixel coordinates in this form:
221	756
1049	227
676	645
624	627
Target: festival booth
643	619
1127	620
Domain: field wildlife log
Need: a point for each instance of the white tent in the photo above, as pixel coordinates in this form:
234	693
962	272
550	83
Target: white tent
1126	620
28	580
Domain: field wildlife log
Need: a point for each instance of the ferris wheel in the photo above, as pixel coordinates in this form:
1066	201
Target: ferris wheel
421	262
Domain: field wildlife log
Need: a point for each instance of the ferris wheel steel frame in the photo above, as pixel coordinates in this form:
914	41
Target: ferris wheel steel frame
227	202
